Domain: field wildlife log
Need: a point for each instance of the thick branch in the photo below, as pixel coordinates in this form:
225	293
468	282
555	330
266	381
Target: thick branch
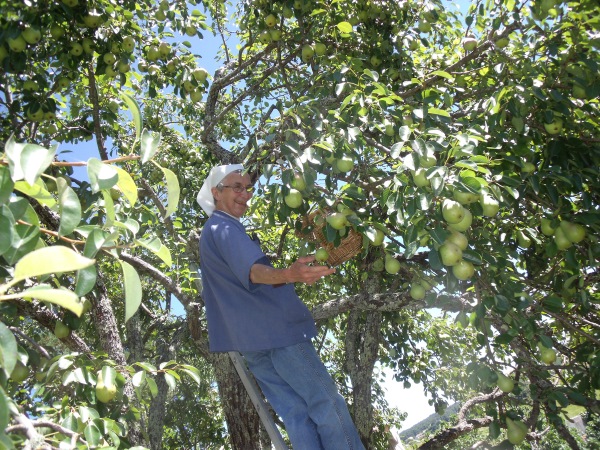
376	302
440	440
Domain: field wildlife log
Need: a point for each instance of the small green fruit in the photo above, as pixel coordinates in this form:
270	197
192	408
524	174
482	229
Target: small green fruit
555	126
452	211
271	20
17	44
450	253
61	331
76	49
320	49
200	74
574	232
265	37
417	292
321	254
516	431
344	164
464	224
420	177
32	35
196	95
490	205
56	31
93	19
502	42
307	52
378	238
505	383
547	355
456	237
523	240
128	44
337	220
293	199
561	240
298	182
465	198
392	265
546	227
463	270
469	44
105	393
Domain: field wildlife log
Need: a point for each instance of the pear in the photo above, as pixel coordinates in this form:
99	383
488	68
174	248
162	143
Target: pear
515	430
506	384
105	392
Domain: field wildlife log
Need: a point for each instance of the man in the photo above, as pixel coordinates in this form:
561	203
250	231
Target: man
252	307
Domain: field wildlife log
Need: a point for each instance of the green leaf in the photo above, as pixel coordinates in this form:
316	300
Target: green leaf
553	303
146	366
127	186
157	247
109	208
193	372
133	289
149	145
25	240
27	161
173	191
7	228
92	434
61	297
441	73
8	350
69	208
4	413
6	185
37	191
85	280
34	160
135	112
94	242
109	375
345	27
102	176
170	380
438	112
138	378
48	260
152	386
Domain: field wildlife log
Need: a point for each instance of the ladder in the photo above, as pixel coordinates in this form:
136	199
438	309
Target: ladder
257	400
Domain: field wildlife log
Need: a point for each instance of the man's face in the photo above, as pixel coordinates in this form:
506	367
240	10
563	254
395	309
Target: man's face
229	201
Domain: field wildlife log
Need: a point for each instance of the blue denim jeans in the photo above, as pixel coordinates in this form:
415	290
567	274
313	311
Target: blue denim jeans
303	394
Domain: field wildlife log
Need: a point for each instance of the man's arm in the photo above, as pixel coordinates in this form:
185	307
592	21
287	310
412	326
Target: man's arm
298	272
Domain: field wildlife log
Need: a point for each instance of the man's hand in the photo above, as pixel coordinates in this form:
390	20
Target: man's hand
299	272
302	272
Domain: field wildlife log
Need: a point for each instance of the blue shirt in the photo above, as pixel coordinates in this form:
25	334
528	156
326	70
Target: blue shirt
241	315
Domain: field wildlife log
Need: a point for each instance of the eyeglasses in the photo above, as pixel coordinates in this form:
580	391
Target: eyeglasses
239	188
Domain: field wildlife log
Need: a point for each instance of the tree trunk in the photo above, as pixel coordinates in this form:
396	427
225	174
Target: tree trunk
362	342
242	419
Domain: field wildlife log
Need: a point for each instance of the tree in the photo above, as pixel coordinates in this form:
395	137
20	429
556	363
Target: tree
464	146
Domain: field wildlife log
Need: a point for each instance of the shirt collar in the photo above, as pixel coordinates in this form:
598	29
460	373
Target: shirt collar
227	214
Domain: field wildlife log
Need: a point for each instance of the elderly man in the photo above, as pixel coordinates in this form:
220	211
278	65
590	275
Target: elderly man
252	307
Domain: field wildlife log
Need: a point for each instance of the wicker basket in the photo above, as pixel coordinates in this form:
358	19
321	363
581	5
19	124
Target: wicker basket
350	245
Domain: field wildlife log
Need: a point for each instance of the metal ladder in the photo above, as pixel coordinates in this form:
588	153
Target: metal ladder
258	400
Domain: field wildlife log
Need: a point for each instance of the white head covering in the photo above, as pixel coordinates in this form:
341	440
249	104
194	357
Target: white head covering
216	175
